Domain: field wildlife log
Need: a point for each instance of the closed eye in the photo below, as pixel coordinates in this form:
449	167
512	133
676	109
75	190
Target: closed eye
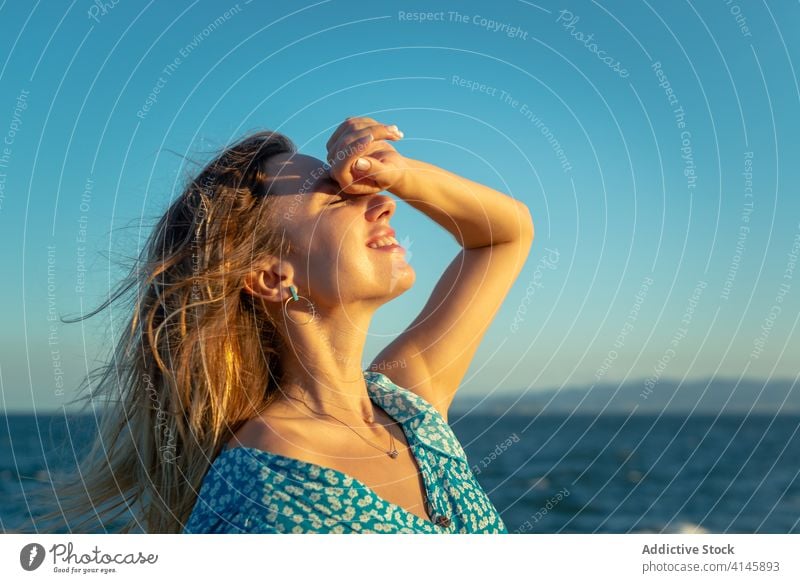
331	184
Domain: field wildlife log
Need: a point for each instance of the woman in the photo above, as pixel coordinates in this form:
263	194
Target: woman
244	405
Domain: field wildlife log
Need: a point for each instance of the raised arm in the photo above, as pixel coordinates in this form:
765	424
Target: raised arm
495	232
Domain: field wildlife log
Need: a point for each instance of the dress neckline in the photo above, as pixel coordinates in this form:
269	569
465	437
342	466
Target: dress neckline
432	510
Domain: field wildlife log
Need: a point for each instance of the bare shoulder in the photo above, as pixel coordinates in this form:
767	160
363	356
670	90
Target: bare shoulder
273	435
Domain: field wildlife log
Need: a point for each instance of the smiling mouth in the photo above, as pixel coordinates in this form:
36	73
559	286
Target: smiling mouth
384	242
388	243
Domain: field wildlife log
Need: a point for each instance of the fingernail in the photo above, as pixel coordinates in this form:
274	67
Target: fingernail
362	164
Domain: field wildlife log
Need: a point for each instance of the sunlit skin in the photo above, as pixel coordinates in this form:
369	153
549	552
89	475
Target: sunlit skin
329	210
344	279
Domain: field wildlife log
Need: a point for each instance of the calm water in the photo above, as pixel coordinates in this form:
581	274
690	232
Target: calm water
550	474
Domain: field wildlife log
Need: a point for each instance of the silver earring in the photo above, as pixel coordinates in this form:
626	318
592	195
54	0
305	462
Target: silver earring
296	298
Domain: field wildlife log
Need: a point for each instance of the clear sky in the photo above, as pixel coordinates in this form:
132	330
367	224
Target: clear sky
655	144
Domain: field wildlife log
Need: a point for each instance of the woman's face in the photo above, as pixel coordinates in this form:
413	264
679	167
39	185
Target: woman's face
330	232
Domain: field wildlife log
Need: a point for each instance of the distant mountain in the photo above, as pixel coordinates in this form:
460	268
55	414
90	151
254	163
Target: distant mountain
709	396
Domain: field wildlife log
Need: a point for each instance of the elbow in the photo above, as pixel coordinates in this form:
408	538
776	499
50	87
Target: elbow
526	230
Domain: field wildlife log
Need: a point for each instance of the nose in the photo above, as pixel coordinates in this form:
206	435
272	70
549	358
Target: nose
381	206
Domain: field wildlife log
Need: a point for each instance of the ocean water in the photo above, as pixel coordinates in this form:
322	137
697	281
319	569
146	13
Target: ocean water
546	473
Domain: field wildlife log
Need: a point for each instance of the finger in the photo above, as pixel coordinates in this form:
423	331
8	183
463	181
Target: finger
349	124
360	188
355	126
341	164
337	133
344	152
352	183
378	132
377	174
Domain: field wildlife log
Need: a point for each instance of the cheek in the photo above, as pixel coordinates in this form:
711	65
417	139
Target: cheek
326	255
340	261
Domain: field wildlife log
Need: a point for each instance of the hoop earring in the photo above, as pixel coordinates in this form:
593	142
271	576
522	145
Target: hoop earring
295	298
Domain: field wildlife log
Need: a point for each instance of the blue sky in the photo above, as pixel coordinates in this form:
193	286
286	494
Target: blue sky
655	144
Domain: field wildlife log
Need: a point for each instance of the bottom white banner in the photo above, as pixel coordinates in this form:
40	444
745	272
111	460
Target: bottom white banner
625	557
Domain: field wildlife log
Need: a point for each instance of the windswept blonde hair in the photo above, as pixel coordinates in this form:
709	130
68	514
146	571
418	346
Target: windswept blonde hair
197	358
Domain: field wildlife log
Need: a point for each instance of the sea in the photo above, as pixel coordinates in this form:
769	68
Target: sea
547	473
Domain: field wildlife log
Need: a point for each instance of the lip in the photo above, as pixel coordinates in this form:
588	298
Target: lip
389	249
379	235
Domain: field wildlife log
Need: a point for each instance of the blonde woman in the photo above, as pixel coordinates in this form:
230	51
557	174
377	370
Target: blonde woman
243	404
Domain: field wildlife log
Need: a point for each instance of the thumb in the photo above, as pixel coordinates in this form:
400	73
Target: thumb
369	170
362	166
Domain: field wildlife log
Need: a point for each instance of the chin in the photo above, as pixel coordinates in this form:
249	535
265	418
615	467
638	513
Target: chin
402	279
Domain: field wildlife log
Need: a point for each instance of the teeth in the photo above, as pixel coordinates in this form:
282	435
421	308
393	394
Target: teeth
383	242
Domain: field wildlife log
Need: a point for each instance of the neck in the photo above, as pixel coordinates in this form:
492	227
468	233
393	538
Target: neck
322	367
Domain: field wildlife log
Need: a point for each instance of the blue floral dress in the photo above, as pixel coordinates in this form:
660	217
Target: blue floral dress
249	490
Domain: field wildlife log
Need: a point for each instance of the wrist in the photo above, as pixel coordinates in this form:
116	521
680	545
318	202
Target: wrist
406	185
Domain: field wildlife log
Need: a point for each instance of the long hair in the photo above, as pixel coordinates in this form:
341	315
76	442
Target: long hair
198	356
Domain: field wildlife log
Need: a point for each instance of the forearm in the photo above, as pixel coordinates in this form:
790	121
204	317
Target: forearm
476	215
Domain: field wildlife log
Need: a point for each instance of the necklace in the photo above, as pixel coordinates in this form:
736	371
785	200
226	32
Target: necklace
439	520
391	452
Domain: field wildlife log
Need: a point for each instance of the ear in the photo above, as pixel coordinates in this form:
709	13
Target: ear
269	280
